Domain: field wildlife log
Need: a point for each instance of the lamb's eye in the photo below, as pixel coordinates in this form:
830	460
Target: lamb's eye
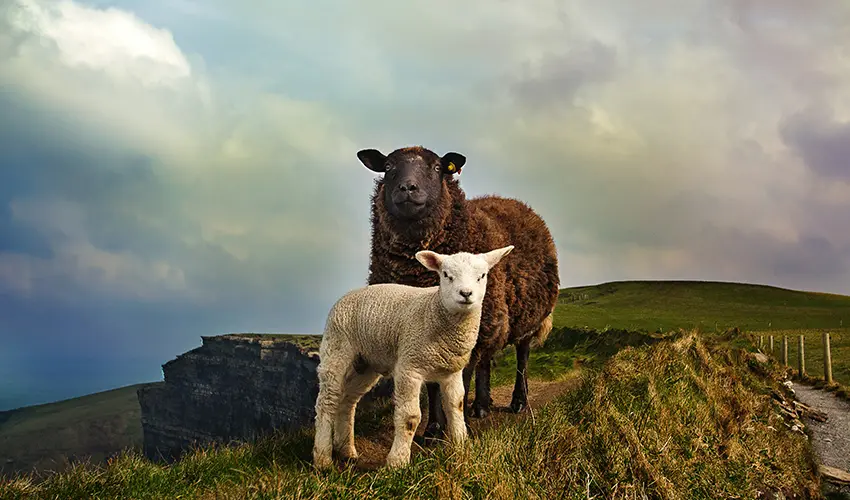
447	276
437	168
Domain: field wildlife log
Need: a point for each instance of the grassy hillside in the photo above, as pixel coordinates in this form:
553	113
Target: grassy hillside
103	423
666	305
96	425
674	418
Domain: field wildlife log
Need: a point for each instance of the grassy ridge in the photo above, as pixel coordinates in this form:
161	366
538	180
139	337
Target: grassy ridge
718	438
669	305
97	425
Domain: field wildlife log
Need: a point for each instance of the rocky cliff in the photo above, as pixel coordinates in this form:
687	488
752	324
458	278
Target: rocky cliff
233	387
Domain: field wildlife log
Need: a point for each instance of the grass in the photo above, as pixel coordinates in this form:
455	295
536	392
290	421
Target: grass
592	324
95	425
710	306
673	418
303	341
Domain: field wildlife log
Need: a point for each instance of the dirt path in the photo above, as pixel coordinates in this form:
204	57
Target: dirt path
373	449
830	439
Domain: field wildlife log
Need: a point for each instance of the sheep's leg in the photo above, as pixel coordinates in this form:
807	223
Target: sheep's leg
436	417
406	417
520	397
452	398
331	374
483	402
343	437
468	370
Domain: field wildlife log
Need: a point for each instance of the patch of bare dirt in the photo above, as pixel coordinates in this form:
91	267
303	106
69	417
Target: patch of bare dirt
373	449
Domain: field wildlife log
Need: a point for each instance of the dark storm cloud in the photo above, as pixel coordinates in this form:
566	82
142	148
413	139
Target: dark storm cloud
559	75
821	141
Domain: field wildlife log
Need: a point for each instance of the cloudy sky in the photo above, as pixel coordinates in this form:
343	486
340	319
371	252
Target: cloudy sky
177	169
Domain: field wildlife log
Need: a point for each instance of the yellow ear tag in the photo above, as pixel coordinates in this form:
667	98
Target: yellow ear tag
451	167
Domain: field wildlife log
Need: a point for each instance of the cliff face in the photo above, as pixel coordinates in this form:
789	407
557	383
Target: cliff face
234	387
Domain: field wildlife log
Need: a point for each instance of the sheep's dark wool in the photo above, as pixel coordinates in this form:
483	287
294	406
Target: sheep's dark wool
418	205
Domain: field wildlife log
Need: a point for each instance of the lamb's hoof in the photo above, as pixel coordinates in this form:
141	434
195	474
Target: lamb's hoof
518	406
479	411
349	456
433	432
322	462
395	462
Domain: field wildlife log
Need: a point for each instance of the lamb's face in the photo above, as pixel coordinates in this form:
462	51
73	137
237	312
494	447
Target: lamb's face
463	281
413	178
463	276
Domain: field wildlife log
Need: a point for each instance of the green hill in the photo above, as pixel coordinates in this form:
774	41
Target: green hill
96	425
681	415
103	423
666	305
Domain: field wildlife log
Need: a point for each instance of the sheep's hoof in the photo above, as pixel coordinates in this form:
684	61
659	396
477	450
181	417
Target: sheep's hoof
398	461
322	462
479	411
433	432
517	406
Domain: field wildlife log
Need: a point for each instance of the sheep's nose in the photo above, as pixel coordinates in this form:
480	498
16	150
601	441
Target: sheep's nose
466	293
408	186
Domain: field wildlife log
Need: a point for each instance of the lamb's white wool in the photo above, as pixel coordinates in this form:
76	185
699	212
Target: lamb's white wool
414	334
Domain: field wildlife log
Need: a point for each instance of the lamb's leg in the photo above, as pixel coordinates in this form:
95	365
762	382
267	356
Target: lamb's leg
331	374
436	417
452	399
468	370
520	397
343	437
406	417
483	402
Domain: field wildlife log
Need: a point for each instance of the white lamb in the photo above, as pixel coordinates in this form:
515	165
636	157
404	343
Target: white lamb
414	334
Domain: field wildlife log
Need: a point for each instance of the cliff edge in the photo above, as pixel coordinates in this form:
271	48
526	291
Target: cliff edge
234	387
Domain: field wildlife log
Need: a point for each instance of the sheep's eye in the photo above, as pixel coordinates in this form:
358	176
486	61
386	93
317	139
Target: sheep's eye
437	168
447	276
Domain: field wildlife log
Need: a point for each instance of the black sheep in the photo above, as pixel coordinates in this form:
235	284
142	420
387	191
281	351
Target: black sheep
417	205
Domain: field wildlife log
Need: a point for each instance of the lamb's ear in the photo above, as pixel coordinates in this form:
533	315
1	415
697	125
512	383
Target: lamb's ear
494	256
373	159
429	259
452	163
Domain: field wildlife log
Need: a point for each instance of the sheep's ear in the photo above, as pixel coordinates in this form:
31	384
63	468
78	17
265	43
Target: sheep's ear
429	259
373	159
494	256
452	163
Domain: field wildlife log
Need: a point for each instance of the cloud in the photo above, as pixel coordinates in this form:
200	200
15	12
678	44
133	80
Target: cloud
822	142
196	163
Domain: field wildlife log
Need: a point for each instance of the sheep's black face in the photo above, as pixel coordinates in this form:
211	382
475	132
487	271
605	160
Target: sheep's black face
413	178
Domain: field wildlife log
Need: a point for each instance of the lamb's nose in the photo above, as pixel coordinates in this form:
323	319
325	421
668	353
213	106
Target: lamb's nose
408	186
466	293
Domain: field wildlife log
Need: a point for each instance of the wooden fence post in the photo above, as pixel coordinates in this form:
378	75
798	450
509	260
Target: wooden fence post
827	359
785	350
761	342
771	345
801	356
